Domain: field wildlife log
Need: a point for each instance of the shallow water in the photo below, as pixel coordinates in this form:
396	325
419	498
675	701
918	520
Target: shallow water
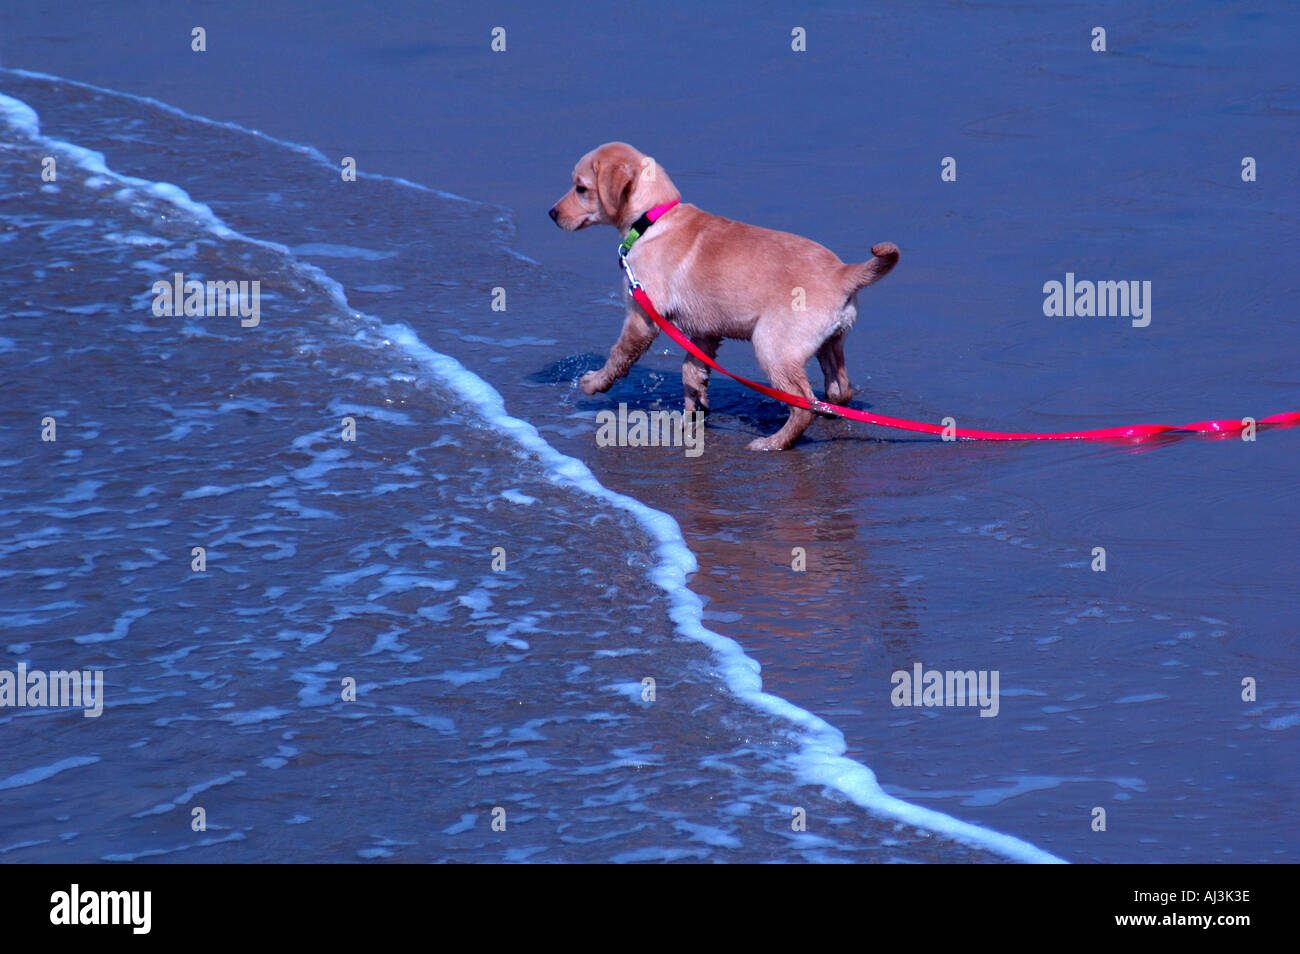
1118	690
478	687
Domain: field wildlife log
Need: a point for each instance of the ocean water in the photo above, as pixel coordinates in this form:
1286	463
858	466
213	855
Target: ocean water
521	689
517	688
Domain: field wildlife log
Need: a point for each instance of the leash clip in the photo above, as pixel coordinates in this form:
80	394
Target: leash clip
632	284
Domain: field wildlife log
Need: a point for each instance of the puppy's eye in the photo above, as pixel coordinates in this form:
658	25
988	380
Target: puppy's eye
580	189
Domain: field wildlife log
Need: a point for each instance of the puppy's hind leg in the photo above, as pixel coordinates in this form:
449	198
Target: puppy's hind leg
831	357
790	378
783	360
785	369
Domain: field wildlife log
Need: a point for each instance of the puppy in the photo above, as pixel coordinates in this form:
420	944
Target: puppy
714	278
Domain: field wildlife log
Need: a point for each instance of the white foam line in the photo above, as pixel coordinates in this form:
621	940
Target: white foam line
310	151
822	760
42	772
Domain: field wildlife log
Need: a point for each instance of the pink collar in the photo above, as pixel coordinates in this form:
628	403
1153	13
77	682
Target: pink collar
654	214
640	226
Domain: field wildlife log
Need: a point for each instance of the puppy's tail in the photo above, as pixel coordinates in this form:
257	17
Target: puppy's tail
860	276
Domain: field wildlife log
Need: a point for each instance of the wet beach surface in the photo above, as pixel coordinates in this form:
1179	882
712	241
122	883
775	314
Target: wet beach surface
1119	689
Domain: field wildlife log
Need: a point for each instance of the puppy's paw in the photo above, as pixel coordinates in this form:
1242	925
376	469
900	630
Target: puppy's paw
593	381
838	395
762	444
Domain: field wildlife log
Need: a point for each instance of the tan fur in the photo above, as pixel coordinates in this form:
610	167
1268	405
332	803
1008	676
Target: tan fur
714	278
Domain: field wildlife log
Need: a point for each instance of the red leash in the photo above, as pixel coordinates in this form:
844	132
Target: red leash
834	410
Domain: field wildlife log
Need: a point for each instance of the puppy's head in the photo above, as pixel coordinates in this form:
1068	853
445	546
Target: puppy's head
611	184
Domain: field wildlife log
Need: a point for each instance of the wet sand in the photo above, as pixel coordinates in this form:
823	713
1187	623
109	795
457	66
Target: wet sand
1120	689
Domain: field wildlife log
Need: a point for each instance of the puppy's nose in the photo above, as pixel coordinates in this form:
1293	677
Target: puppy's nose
554	215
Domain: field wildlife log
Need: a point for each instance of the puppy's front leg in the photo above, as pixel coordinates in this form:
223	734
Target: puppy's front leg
638	333
695	375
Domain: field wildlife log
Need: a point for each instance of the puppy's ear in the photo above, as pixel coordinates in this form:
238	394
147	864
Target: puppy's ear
614	179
